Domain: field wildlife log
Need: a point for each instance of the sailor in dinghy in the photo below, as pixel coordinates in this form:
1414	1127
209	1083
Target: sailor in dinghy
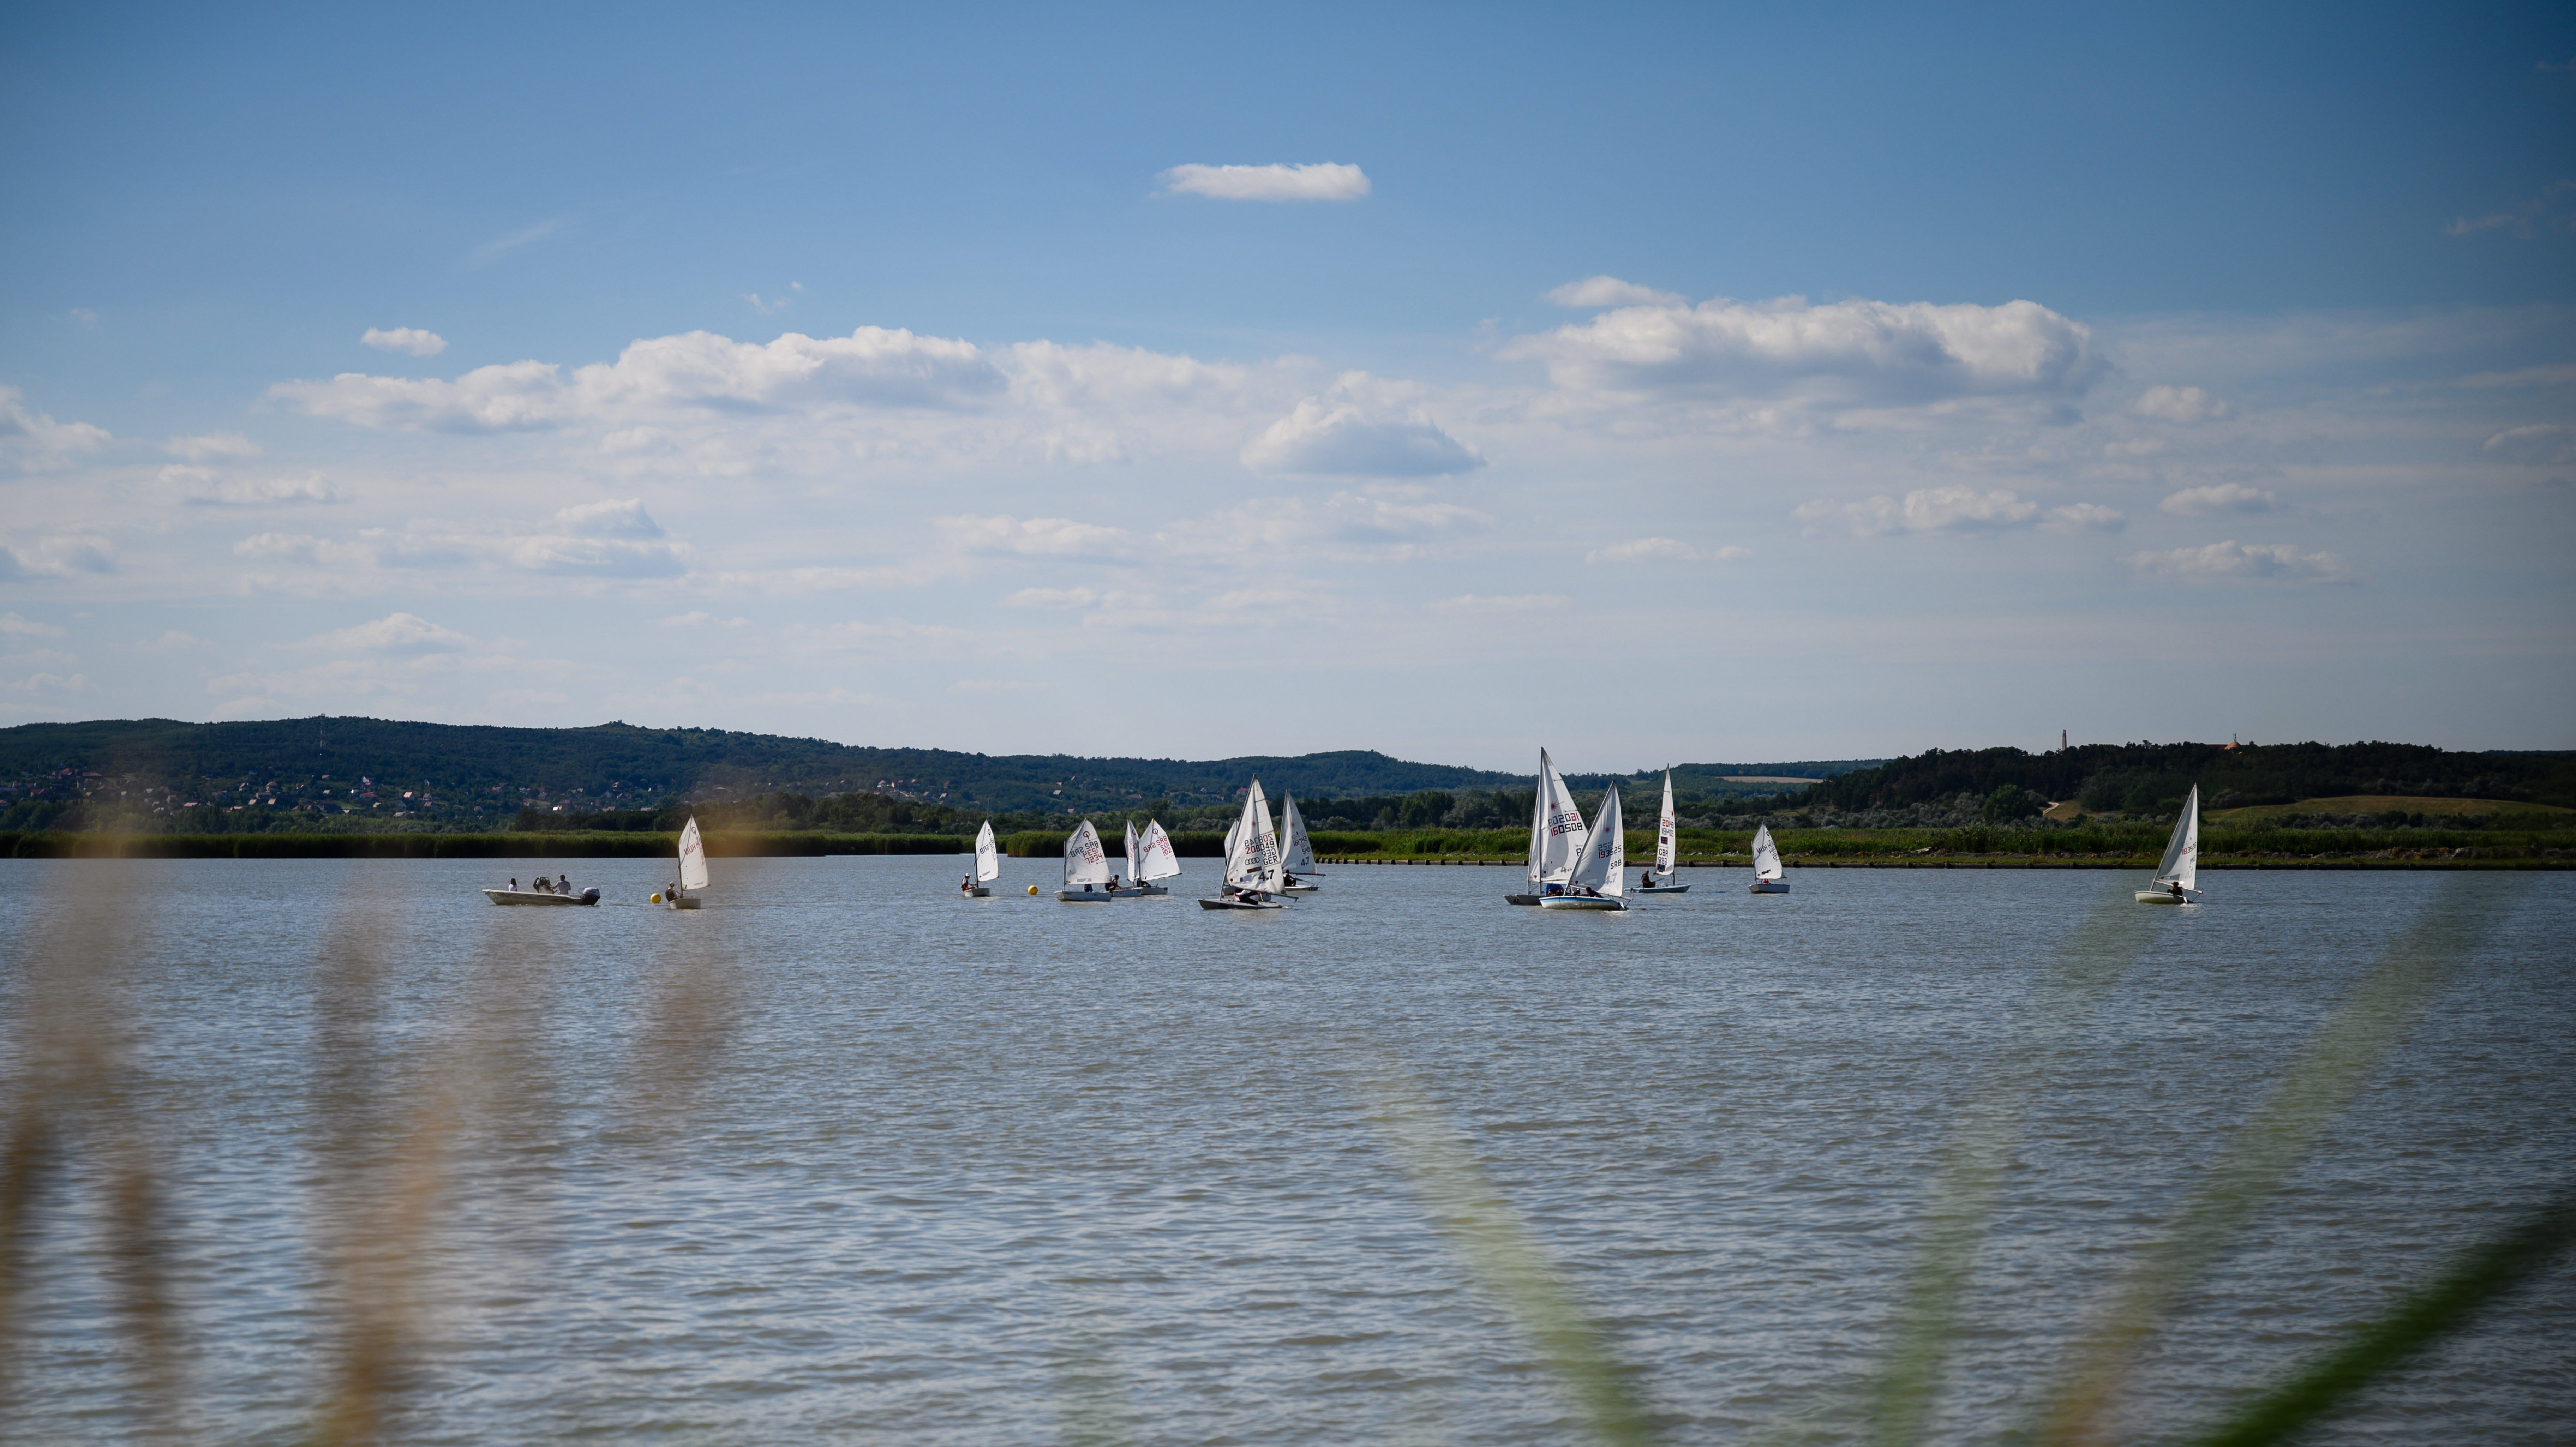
693	870
1252	868
2178	875
1296	851
1557	836
1766	864
1659	878
1086	868
988	866
1601	880
1150	858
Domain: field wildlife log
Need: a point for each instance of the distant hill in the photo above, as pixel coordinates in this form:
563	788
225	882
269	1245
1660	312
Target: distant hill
616	764
2143	777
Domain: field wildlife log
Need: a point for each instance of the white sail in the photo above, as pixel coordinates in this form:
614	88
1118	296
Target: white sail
1766	855
1296	851
1085	863
1252	853
1233	832
1664	834
1604	866
2182	852
988	860
1161	861
1133	849
1561	834
693	857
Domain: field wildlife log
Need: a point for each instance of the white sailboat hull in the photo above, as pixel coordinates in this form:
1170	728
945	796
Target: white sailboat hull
1140	891
1299	888
1769	886
1581	901
976	891
1231	902
1085	896
1663	889
2162	896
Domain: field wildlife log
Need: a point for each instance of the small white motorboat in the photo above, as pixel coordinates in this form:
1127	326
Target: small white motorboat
1766	864
988	865
1556	835
2178	876
1666	834
1086	868
540	896
1601	880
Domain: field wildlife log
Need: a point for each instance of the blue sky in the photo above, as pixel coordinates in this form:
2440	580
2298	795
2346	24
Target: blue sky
1672	382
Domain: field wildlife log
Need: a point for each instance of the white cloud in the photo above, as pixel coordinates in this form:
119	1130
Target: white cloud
1346	526
702	619
11	625
1343	439
1513	603
1854	352
2084	517
2541	444
2232	561
1035	537
516	239
2544	212
2224	497
1321	182
870	368
405	339
2185	405
207	489
33	439
626	519
395	633
211	447
1603	291
1664	550
1927	510
60	556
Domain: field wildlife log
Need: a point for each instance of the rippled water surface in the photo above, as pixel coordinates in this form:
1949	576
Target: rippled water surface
844	1157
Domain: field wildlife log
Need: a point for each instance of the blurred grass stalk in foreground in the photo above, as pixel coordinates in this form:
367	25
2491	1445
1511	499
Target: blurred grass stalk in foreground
1491	1242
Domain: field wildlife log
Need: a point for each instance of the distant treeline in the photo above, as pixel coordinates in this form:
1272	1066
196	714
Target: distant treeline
2147	778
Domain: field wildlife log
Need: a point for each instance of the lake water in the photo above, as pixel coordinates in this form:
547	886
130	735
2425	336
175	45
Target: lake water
846	1158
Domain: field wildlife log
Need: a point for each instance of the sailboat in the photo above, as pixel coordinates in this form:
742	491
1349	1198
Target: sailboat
1150	857
1252	873
1557	834
1086	868
1766	864
1296	851
2178	877
693	868
1659	880
1601	877
988	864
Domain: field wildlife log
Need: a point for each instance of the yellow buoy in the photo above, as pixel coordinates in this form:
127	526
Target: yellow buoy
1033	889
657	899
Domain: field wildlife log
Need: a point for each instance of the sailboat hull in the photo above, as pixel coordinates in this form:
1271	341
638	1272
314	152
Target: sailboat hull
1663	889
1085	896
1581	901
976	891
1520	899
1769	886
2159	896
1141	891
1231	903
682	901
1296	889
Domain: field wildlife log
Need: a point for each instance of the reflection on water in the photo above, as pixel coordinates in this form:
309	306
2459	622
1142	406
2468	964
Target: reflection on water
333	1149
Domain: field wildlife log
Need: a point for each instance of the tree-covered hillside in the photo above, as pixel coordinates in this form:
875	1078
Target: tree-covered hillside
131	773
2146	778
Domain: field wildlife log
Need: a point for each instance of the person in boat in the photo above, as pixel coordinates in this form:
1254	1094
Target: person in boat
563	884
967	884
2177	890
544	887
514	884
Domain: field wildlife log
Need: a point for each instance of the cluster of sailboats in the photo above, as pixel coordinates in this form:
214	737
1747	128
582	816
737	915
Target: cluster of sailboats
1572	866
